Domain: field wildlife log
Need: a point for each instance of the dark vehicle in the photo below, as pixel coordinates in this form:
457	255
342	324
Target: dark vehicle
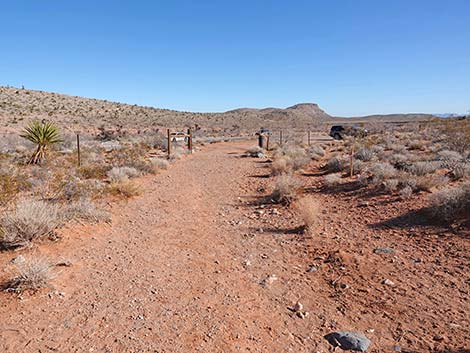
338	132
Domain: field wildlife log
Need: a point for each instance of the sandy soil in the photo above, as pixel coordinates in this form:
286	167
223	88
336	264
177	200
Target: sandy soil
199	264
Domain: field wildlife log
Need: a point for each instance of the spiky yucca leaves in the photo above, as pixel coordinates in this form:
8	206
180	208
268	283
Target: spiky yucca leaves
43	134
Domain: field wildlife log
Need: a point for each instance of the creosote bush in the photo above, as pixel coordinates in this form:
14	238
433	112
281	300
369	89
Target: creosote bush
332	179
85	210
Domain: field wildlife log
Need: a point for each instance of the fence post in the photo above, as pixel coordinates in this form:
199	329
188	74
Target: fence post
78	149
169	142
190	140
308	137
351	161
267	142
280	138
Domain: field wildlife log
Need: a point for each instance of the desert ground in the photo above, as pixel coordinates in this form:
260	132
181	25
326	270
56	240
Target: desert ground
235	248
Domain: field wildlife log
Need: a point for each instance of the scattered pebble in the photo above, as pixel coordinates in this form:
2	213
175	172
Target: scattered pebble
298	307
388	282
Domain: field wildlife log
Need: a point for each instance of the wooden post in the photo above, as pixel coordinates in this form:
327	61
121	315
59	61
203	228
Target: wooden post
267	142
78	149
308	137
351	161
169	143
280	138
190	140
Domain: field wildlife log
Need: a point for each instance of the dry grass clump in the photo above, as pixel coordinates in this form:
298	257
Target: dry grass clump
124	188
177	153
286	189
429	182
449	204
424	167
416	145
365	154
281	165
12	182
406	192
309	210
85	210
332	179
32	274
382	171
117	174
316	152
28	221
157	164
93	171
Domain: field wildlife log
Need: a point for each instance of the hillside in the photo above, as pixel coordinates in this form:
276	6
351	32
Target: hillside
18	106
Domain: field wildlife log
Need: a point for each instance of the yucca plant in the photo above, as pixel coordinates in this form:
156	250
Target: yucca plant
43	134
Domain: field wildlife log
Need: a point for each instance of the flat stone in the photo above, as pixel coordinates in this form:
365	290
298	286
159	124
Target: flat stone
348	340
383	251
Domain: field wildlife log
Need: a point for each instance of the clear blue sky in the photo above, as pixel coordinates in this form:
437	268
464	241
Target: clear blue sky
352	57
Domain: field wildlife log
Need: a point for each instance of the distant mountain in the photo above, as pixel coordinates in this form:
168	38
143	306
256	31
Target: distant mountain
19	106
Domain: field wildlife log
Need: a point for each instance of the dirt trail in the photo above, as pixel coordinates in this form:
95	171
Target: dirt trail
164	277
198	264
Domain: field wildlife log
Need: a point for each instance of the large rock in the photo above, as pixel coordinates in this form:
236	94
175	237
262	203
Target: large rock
348	340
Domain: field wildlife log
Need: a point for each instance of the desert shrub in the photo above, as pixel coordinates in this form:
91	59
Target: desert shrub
365	154
391	185
382	171
416	145
117	174
32	274
286	189
449	159
406	192
358	167
309	210
428	182
316	152
85	210
12	182
29	220
377	149
337	164
94	171
399	161
281	165
461	171
449	204
157	164
332	179
296	155
124	188
254	151
458	134
423	167
398	148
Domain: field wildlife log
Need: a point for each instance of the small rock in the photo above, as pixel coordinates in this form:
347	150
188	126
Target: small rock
383	251
65	263
348	340
363	204
268	280
388	282
312	269
18	260
298	307
303	314
396	348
